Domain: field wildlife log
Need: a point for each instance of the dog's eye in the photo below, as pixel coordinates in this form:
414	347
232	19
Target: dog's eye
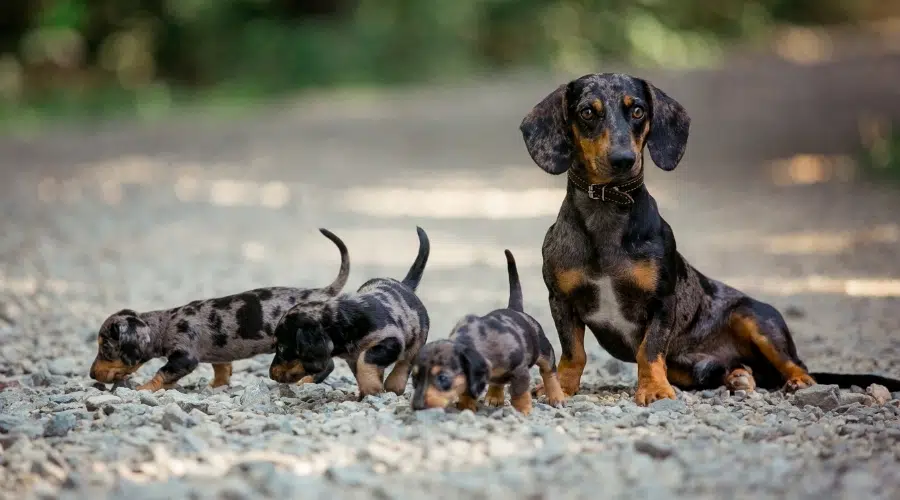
637	112
442	381
587	114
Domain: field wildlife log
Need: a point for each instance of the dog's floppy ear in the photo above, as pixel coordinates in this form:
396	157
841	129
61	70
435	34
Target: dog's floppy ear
546	134
669	129
475	367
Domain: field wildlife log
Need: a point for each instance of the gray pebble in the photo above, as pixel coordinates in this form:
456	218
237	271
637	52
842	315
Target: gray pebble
653	447
173	416
848	398
148	399
256	393
879	393
675	405
96	402
59	425
62	366
10	422
826	397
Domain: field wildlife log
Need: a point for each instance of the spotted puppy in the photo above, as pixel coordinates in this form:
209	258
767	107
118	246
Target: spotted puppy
493	350
611	264
216	331
383	323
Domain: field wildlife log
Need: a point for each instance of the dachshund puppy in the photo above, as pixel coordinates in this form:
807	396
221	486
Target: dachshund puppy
216	331
383	323
493	350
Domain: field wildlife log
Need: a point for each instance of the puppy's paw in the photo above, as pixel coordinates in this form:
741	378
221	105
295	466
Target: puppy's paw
495	396
522	403
466	403
558	402
651	391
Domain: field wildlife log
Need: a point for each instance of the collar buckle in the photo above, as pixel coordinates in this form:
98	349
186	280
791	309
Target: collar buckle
592	192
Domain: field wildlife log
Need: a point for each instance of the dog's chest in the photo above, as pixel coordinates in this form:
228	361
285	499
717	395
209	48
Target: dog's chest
609	308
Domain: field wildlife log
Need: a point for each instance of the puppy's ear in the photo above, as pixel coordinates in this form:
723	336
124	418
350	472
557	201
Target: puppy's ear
546	133
669	128
475	367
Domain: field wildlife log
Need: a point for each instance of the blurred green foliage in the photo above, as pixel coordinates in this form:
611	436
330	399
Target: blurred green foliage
149	55
880	156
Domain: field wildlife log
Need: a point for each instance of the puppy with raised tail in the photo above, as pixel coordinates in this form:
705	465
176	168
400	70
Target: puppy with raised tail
493	350
383	323
216	331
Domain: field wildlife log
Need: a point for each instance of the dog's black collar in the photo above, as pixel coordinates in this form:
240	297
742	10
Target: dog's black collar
618	193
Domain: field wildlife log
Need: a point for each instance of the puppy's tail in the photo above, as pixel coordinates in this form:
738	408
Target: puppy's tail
338	284
515	287
418	267
845	380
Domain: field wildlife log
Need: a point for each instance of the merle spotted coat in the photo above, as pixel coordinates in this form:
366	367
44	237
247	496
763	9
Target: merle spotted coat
217	331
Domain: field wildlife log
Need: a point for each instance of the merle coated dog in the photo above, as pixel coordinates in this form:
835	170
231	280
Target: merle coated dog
490	351
383	323
610	261
216	331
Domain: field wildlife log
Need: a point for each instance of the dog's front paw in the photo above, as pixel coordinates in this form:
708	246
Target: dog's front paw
740	379
651	391
799	381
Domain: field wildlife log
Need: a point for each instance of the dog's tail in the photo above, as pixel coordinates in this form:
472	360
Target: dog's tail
845	380
338	284
418	267
515	286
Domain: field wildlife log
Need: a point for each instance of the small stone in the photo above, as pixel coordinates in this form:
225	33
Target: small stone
613	410
10	422
352	475
62	366
466	416
148	399
256	394
59	425
94	403
613	366
430	415
653	447
668	405
879	392
826	397
583	406
63	399
174	416
848	398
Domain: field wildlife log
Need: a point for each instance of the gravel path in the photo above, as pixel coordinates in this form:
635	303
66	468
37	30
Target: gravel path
158	215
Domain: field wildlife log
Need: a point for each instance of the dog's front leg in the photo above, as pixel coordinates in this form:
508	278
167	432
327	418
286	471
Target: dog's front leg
571	338
653	383
178	364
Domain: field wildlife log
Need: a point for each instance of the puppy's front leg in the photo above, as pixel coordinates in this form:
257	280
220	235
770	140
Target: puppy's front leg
178	364
519	390
369	377
653	383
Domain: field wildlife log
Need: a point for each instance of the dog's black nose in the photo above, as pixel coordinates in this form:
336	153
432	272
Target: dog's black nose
622	160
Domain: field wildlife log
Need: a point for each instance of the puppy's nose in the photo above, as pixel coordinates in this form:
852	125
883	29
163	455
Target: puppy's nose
622	160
